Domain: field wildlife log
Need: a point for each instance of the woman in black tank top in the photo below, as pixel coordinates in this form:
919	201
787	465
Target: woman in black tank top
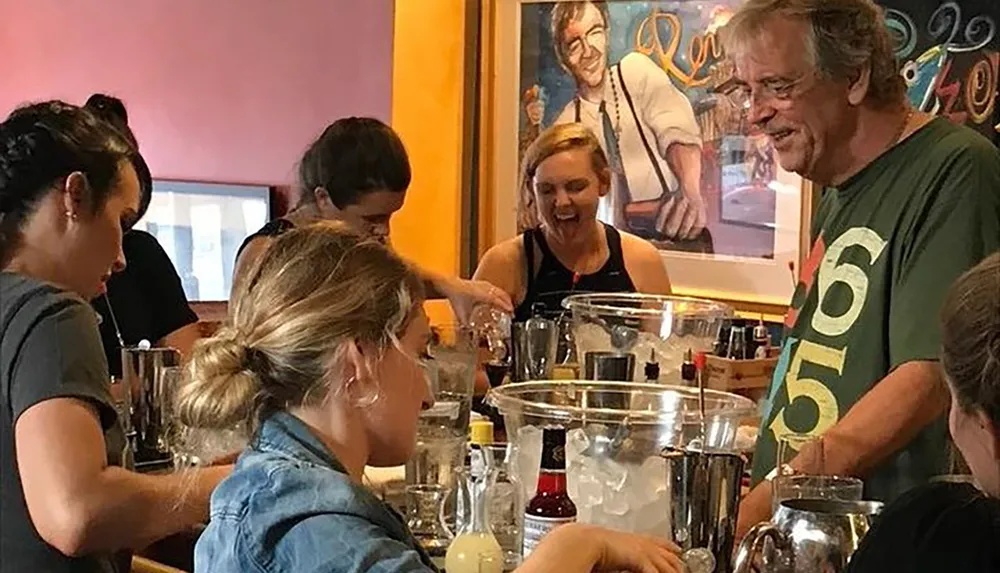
550	281
564	249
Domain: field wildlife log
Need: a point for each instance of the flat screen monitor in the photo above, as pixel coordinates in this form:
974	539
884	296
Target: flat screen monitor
201	226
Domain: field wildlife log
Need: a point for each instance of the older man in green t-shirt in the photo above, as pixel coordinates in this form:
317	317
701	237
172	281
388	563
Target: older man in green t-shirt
910	202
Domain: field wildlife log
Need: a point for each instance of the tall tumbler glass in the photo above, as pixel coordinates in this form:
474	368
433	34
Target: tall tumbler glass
816	482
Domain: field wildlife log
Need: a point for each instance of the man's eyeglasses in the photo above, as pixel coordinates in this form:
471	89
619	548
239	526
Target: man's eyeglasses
774	92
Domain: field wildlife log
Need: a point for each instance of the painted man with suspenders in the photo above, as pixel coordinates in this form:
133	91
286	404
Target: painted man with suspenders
644	123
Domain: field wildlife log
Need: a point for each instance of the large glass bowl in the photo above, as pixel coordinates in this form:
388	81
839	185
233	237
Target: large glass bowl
648	326
615	433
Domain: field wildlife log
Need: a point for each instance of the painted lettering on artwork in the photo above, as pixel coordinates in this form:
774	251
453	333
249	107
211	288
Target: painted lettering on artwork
981	88
830	270
962	92
659	35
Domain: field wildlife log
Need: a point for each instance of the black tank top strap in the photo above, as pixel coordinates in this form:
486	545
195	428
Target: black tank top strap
272	228
529	258
543	245
616	257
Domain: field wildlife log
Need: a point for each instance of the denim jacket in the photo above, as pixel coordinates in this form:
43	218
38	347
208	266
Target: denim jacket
289	506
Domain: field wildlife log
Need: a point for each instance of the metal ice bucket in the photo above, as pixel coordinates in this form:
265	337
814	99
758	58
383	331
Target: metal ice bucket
141	376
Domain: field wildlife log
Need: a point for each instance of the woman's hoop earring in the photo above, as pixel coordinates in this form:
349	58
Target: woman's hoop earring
368	401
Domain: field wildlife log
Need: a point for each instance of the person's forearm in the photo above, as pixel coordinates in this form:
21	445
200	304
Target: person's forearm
130	510
434	283
551	553
685	161
183	339
881	423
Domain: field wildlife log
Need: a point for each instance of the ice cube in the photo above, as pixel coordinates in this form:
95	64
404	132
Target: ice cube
653	516
576	443
652	477
590	488
613	475
528	458
574	469
616	502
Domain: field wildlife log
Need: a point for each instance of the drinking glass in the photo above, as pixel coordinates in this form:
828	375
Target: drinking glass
789	446
423	517
839	488
504	502
451	372
168	380
815	482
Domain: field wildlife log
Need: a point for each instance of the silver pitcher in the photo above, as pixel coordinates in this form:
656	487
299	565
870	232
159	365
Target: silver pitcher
141	376
808	535
704	500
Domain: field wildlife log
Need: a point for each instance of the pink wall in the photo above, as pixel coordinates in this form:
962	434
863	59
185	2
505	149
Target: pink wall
217	90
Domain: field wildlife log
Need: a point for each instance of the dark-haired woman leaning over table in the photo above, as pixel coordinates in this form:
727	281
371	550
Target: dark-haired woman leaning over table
67	190
145	301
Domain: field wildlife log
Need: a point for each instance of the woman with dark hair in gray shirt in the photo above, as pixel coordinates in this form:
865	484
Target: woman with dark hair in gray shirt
68	189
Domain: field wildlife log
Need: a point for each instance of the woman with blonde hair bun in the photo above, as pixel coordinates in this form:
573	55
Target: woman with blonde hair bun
321	361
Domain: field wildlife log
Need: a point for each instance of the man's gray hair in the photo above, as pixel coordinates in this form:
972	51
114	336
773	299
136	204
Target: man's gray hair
845	37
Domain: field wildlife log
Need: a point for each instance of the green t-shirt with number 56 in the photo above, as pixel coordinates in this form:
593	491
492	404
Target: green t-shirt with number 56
887	244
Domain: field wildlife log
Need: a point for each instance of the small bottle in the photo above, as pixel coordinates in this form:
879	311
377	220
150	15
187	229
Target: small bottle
480	435
737	343
652	370
551	506
761	340
688	369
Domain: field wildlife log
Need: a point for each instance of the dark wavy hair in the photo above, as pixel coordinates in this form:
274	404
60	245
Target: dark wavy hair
41	144
354	156
112	110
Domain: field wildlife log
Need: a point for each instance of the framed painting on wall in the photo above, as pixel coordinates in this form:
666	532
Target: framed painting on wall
650	80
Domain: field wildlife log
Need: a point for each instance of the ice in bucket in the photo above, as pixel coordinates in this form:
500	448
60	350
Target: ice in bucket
643	325
615	434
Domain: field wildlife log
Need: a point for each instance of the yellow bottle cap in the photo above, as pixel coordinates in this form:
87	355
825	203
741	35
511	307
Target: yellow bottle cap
564	372
481	432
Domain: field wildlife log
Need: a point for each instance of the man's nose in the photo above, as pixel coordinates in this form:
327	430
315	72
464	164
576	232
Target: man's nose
760	111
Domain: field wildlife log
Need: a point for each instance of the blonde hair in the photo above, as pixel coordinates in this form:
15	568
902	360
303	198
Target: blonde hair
315	288
844	37
556	139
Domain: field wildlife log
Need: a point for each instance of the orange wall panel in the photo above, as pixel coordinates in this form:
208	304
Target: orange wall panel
427	111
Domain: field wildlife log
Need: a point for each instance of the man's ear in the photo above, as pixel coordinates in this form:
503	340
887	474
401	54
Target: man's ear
857	89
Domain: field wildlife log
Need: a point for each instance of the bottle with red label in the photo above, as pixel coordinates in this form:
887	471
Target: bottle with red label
551	506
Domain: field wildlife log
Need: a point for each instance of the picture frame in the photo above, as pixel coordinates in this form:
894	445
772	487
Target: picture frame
201	226
516	39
